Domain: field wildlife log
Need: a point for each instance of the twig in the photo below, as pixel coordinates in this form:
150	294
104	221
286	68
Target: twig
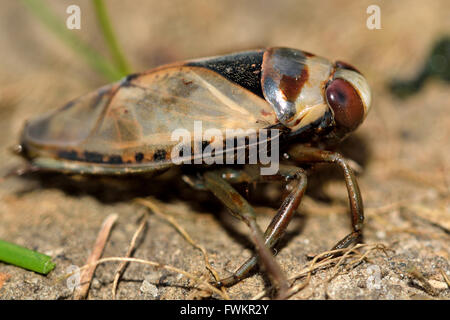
86	276
445	277
317	263
131	248
149	204
94	264
416	274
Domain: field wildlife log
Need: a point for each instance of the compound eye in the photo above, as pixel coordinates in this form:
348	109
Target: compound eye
346	103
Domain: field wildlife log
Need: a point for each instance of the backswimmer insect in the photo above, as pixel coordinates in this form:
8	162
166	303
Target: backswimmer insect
126	127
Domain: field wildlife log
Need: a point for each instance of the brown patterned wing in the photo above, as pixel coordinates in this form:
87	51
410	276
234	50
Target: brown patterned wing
131	122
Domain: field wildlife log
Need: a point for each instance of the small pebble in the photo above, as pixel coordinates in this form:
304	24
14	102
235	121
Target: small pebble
96	284
150	288
438	284
381	234
153	277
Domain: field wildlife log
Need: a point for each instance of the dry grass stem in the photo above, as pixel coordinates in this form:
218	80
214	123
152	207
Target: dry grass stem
131	248
87	274
324	260
149	204
444	275
427	287
205	284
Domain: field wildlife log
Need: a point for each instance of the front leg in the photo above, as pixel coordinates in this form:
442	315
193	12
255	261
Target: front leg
312	155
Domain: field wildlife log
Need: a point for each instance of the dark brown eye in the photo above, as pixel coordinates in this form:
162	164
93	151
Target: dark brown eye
346	103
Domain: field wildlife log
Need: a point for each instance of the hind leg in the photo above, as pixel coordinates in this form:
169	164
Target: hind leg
241	209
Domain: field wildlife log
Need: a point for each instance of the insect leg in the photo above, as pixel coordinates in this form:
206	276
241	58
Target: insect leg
284	215
241	209
312	155
22	170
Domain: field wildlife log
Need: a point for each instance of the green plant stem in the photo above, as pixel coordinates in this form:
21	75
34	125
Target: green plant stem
94	59
25	258
111	39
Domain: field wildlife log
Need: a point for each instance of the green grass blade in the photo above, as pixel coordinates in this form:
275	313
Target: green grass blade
110	38
25	258
92	57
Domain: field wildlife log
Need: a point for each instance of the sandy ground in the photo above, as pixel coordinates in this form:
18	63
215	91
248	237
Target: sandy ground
403	147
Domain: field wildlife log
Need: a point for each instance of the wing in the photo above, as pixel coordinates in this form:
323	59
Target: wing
133	121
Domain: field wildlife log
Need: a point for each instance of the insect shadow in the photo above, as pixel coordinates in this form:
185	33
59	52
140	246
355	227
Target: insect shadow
169	187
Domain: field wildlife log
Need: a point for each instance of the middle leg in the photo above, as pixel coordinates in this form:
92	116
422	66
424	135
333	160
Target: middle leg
281	220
